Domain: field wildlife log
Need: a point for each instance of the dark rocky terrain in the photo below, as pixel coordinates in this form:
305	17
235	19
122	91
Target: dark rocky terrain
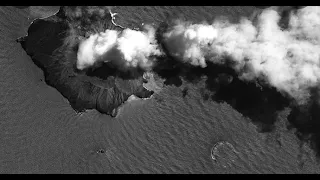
45	44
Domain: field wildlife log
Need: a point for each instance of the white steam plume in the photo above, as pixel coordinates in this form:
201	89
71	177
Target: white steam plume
287	59
134	48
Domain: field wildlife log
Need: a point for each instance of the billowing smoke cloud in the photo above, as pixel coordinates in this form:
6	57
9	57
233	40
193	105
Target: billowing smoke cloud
288	59
134	48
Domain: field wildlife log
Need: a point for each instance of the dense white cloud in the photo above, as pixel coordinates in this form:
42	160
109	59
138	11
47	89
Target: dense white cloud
287	59
133	47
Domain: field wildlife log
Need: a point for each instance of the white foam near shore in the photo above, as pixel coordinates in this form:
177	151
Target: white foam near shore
113	18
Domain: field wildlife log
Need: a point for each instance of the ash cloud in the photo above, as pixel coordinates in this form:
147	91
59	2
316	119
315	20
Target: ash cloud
132	48
284	58
287	59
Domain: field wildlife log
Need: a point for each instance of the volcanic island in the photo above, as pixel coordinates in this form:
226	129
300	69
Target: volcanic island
53	42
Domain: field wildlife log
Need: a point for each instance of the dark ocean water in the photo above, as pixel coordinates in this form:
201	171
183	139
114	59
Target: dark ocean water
41	133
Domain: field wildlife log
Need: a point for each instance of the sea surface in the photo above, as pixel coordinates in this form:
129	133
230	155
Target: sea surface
169	133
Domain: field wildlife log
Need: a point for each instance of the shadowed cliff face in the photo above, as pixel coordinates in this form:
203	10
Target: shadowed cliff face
47	47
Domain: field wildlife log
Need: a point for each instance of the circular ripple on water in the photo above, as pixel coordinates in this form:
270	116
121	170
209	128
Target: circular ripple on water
224	154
